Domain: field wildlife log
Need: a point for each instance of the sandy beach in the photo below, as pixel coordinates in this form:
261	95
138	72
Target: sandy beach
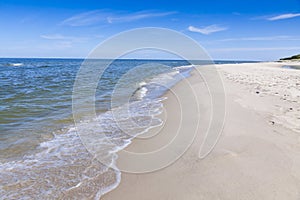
150	100
257	155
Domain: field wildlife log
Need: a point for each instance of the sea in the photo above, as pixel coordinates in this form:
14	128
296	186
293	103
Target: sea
41	153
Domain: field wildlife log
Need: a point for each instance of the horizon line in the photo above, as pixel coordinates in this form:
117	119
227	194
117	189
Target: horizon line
81	58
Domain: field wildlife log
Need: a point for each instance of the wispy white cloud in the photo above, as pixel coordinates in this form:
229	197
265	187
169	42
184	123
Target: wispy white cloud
62	37
53	37
104	16
61	41
86	18
284	16
267	38
207	30
138	16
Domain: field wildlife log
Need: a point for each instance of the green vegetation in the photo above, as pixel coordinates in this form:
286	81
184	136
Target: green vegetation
296	57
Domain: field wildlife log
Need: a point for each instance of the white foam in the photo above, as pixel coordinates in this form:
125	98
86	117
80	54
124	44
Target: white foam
15	64
57	157
184	67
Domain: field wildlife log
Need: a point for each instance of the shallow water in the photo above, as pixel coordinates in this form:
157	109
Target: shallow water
42	155
291	67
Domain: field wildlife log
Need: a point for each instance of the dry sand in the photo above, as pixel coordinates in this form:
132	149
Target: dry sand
257	155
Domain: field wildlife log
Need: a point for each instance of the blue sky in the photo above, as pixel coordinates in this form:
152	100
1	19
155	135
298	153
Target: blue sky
227	29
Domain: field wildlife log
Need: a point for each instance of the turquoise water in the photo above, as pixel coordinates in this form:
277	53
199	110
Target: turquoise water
37	133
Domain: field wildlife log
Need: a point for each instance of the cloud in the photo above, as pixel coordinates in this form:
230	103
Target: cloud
207	30
53	37
284	16
104	16
137	16
86	18
62	37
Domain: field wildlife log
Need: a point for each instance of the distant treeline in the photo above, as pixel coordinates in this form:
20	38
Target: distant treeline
292	57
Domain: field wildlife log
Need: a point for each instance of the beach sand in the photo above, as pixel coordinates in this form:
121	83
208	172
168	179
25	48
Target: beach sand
257	155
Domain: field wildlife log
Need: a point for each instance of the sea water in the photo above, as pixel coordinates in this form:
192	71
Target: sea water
42	155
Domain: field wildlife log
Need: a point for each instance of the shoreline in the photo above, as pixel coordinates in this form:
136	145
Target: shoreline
249	162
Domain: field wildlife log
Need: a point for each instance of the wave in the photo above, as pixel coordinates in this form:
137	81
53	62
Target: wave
65	168
14	64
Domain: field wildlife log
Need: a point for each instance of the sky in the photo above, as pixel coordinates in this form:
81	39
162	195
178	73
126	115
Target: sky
226	29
